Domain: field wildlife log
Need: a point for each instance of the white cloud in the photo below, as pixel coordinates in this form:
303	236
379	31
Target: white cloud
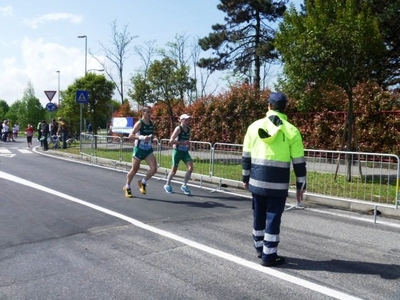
39	63
14	81
35	23
6	11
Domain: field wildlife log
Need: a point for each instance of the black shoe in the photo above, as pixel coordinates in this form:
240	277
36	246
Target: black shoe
259	254
279	260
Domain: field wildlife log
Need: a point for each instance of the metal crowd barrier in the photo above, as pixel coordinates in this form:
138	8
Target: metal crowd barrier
349	176
371	177
102	146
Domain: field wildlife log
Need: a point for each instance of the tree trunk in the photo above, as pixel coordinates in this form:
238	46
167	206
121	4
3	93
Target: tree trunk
257	63
171	116
341	146
350	116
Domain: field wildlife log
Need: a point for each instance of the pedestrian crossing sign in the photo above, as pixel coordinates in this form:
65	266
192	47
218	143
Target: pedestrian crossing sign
82	96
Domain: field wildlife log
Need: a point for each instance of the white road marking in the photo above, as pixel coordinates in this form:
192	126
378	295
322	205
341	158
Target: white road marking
7	155
235	259
4	151
25	151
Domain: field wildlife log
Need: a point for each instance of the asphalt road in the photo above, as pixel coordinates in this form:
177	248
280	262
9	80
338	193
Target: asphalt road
68	232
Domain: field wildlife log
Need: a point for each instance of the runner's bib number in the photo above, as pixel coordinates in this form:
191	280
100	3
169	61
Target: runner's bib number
145	145
183	147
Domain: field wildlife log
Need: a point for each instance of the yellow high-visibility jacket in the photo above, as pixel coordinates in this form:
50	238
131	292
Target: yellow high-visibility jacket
269	146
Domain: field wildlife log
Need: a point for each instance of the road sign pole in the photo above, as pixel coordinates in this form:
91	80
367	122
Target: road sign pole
82	97
80	124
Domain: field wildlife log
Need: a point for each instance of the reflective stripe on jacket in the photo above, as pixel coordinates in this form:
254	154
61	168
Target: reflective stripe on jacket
269	146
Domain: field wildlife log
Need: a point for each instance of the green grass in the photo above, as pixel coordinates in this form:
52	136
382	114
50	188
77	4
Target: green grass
377	190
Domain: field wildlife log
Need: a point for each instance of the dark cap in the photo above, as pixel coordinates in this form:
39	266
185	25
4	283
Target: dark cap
274	98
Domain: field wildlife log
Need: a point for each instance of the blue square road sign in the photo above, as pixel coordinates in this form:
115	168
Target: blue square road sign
82	96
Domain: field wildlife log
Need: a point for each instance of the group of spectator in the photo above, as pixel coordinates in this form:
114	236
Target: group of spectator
54	129
8	132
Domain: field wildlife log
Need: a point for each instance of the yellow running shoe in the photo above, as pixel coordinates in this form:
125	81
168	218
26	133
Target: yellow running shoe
142	187
128	193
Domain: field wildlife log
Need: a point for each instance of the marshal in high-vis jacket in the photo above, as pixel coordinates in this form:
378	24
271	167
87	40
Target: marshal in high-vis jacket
269	146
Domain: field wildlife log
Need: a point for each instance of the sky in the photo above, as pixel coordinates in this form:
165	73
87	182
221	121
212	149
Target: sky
40	37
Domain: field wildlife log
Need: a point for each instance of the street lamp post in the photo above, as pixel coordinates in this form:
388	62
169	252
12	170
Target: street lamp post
58	88
87	72
83	37
98	70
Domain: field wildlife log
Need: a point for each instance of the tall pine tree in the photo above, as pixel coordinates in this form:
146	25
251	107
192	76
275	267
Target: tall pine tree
246	40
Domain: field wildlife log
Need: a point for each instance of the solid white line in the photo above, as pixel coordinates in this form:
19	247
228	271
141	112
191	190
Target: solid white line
289	278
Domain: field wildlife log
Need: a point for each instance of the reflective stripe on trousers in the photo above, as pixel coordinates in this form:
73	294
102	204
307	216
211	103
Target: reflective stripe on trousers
267	212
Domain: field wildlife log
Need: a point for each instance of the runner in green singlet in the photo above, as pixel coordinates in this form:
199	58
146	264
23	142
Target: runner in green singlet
143	134
180	139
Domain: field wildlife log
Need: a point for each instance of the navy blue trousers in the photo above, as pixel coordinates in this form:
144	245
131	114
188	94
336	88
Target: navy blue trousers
267	213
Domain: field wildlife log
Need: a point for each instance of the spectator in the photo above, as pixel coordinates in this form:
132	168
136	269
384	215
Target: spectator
63	131
89	128
54	127
39	130
45	134
4	132
15	130
29	134
10	132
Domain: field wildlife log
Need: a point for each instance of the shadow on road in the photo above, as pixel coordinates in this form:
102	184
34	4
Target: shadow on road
195	203
385	271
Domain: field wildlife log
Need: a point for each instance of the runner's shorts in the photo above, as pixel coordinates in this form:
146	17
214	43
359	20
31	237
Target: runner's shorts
178	156
141	154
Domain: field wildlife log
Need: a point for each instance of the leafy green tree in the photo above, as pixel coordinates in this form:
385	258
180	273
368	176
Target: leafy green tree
246	40
387	73
100	98
25	111
141	90
335	42
4	107
178	50
30	110
166	81
387	11
13	113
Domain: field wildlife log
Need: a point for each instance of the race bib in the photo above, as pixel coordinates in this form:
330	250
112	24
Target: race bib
183	147
145	145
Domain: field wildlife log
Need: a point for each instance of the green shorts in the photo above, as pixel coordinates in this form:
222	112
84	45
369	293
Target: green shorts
141	154
178	156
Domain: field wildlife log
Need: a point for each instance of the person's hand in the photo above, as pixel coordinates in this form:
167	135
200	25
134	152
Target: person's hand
299	195
148	137
246	185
